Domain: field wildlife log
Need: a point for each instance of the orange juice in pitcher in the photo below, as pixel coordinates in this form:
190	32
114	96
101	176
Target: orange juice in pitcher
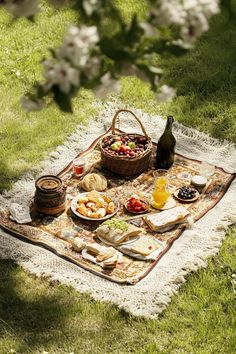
160	194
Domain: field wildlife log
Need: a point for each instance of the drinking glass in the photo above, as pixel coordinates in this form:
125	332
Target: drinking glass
206	169
78	166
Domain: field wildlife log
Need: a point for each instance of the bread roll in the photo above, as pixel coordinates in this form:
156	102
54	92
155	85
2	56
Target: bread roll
93	181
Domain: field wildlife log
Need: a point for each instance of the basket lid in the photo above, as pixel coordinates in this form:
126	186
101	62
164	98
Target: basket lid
48	183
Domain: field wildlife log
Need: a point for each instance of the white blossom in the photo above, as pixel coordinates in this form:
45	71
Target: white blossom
149	30
86	36
30	105
61	74
180	42
22	8
166	93
92	68
90	6
170	12
77	44
191	16
70	50
108	85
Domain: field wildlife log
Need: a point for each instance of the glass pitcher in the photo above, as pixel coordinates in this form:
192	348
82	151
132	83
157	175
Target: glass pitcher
160	193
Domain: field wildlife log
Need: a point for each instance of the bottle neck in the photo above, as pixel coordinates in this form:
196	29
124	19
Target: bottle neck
169	123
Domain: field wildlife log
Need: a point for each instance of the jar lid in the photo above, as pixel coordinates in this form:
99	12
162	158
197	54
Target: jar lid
199	180
48	183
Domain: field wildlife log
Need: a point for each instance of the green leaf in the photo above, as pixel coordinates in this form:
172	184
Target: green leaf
41	92
62	99
134	31
176	49
113	48
53	52
31	19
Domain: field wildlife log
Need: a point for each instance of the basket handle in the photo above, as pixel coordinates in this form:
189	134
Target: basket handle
113	125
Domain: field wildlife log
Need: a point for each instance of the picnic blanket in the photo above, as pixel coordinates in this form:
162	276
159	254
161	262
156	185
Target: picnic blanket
149	296
48	231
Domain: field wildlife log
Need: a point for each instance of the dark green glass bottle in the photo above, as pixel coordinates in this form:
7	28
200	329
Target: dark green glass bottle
166	147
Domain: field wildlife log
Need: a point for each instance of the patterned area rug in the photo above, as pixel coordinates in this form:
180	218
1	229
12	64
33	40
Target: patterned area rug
164	274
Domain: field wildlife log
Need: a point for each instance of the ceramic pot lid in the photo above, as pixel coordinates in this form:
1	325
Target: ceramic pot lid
48	183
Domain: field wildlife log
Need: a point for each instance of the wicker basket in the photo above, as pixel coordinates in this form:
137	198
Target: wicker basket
123	165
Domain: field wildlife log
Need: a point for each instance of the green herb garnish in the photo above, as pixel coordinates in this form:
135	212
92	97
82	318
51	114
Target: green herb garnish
117	224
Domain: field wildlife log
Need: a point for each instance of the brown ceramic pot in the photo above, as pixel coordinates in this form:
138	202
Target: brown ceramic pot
50	195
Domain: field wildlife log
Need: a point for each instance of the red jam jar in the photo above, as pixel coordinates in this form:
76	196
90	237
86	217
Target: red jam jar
78	166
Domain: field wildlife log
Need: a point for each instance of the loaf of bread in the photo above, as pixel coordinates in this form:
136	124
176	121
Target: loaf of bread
93	181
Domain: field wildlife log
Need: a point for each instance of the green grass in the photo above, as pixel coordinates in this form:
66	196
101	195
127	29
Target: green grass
205	80
25	139
37	314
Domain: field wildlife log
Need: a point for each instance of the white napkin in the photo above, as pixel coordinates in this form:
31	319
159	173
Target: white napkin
20	213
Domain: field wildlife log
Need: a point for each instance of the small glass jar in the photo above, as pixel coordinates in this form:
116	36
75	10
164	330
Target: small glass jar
206	169
78	166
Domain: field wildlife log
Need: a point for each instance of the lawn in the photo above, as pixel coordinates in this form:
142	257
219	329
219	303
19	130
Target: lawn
36	314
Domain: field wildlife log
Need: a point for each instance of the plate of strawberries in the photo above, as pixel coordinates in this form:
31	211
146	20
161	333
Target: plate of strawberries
136	205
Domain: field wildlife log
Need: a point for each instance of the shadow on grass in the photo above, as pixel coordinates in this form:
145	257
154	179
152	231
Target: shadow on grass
7	175
37	315
27	316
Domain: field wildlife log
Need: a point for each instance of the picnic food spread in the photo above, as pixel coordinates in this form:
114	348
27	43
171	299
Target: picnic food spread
110	217
93	205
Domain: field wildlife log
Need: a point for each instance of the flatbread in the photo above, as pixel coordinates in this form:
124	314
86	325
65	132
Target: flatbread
117	236
165	219
106	254
144	245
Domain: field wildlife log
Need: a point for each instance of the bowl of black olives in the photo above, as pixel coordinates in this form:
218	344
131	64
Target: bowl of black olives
186	194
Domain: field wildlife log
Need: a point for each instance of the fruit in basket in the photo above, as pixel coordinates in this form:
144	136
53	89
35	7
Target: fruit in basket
136	205
132	144
115	146
129	146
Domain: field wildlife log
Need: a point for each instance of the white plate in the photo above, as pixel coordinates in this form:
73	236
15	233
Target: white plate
74	205
118	244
